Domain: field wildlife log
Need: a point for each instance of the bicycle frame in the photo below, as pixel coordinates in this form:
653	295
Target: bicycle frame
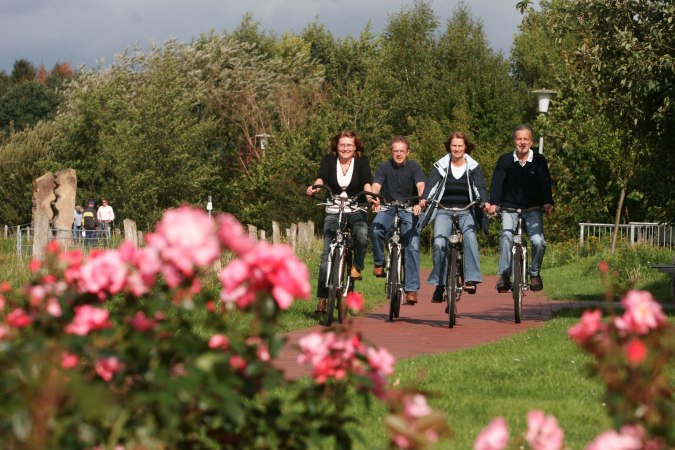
455	281
520	274
340	256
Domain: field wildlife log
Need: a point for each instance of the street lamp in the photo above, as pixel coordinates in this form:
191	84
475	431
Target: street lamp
544	96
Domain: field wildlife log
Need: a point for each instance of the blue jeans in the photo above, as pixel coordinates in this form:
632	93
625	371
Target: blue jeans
534	225
442	228
358	222
411	241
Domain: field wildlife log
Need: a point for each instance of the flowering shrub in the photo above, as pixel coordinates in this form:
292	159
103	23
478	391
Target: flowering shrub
631	352
127	350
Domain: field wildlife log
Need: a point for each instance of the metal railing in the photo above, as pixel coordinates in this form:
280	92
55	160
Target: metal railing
657	234
24	235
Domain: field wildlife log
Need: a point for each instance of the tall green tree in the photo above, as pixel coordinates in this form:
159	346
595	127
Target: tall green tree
27	103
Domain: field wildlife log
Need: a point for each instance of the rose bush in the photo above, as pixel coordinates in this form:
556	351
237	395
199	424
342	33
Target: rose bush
631	354
126	349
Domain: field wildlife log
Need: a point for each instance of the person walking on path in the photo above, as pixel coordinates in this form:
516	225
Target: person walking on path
77	224
105	216
347	172
521	179
398	179
89	222
456	181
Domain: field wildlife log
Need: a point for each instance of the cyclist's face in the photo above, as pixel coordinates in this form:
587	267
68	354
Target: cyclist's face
523	141
346	148
457	148
399	152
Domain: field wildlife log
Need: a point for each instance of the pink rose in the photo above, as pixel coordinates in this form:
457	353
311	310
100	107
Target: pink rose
589	325
87	318
415	406
629	438
68	360
381	360
185	239
54	307
493	437
232	235
107	367
543	432
642	313
104	273
636	351
142	323
18	318
355	302
219	341
238	363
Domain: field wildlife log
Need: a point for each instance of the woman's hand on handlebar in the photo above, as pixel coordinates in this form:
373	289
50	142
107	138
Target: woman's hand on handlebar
311	191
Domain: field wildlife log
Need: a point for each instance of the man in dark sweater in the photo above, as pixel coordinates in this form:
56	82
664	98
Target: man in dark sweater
521	179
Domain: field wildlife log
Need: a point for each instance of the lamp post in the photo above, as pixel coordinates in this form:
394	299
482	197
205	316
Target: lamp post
544	96
209	206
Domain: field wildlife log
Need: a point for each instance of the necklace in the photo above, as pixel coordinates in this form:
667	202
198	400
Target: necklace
345	170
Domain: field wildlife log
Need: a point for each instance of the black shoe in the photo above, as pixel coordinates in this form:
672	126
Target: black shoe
536	284
503	285
438	294
470	287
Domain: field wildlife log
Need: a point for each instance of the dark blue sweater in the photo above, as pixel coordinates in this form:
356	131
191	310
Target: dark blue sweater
516	186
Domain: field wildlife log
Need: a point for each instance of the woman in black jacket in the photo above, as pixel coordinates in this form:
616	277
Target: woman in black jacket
347	172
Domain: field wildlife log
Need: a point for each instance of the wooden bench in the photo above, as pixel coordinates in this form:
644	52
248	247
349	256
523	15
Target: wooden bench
668	268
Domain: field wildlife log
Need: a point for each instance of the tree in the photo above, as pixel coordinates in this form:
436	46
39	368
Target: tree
23	71
26	104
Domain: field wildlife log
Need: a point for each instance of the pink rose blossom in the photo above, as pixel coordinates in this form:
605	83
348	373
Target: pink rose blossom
142	323
104	273
381	360
36	295
636	351
2	302
238	363
355	302
415	406
232	235
543	432
68	360
589	325
642	313
185	239
54	307
88	318
493	437
4	332
219	341
19	319
35	265
629	438
265	267
107	367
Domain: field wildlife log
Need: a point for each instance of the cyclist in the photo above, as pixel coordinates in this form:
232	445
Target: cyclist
399	179
347	172
521	179
456	181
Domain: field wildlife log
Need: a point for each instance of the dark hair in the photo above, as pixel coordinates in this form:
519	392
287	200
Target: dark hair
396	139
522	127
360	148
459	135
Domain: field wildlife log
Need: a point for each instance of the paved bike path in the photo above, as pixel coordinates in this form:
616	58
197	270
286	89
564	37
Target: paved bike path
484	317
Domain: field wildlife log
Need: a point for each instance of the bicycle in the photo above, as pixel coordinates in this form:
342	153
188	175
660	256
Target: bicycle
395	259
520	275
340	256
454	285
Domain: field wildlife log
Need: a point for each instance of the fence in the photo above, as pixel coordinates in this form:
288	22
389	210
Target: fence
298	236
657	234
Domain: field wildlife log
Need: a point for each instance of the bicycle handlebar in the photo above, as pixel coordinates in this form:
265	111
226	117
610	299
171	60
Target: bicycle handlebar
518	210
344	201
456	209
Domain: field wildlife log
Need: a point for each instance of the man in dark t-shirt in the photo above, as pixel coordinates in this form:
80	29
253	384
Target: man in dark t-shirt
399	179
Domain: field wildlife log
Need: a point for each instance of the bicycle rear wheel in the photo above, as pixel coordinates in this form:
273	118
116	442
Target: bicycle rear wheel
392	287
518	283
452	288
334	281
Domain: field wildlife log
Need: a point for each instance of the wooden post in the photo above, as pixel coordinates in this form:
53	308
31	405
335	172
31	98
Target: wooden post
263	236
252	231
130	232
276	233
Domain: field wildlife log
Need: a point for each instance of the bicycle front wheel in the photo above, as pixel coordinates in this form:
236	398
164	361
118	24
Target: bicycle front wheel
453	287
518	283
334	284
392	287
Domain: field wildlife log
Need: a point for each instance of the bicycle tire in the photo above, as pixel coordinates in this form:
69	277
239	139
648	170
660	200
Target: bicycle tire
334	282
401	280
393	279
347	285
452	288
518	283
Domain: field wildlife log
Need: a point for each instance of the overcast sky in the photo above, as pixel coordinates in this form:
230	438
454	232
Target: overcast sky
85	31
